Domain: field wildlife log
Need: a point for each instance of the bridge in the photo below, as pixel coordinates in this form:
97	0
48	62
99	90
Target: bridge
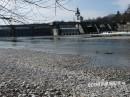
55	28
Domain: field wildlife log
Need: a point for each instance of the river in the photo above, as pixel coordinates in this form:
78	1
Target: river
102	51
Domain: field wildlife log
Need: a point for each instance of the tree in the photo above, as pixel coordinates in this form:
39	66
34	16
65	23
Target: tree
21	11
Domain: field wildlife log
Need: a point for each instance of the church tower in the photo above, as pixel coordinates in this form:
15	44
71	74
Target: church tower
79	18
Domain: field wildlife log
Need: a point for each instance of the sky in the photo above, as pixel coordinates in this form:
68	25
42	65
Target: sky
93	8
89	9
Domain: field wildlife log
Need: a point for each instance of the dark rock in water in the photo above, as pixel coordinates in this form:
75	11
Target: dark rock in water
97	52
109	53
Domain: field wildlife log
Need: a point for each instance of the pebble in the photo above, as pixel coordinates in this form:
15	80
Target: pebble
36	74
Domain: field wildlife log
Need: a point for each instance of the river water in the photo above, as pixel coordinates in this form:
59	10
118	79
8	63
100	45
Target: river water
101	51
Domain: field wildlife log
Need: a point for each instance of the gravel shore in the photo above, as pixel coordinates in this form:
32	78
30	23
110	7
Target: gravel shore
26	73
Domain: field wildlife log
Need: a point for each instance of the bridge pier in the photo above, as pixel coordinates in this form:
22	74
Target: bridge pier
98	31
55	31
80	28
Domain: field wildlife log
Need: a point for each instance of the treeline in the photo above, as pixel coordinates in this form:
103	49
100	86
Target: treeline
118	18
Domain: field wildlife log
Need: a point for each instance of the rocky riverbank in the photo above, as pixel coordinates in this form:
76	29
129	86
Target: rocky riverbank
26	73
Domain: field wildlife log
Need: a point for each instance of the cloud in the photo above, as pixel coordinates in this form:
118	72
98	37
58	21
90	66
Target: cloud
123	4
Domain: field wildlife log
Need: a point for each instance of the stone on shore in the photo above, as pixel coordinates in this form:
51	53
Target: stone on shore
26	73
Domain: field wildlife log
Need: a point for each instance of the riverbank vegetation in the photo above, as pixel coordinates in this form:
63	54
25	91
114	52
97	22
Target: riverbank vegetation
117	18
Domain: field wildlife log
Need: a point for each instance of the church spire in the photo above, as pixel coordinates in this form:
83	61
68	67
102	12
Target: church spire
78	15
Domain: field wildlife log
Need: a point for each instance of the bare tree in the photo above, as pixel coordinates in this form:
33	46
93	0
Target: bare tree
18	11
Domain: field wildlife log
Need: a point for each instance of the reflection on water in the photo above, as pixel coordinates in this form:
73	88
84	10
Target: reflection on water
102	51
